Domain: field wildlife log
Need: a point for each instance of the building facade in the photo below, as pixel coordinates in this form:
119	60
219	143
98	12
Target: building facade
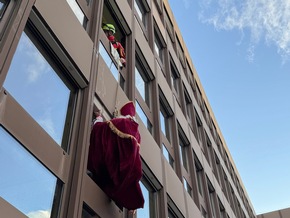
57	68
283	213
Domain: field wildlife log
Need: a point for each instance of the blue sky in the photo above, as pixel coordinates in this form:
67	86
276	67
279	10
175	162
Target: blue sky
241	51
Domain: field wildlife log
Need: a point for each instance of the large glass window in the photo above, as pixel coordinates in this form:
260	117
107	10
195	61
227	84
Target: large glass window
39	87
150	206
3	5
25	182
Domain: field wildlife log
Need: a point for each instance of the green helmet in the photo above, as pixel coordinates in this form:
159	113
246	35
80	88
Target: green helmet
109	27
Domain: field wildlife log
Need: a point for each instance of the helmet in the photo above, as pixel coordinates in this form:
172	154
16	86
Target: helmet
109	27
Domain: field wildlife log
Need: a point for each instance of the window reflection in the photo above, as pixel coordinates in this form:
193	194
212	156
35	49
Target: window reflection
140	83
36	86
108	61
25	182
151	198
167	156
3	5
145	211
143	116
78	12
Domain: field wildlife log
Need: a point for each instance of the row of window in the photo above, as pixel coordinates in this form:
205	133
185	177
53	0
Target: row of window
33	69
144	85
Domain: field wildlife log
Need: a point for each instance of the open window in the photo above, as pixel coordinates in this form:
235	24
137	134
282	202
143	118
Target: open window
113	40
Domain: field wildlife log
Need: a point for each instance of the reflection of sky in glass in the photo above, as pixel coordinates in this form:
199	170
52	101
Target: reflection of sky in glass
165	153
108	61
141	114
77	10
139	83
144	212
24	183
162	123
38	89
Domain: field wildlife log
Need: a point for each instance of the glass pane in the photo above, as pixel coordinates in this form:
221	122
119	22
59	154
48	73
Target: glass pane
144	212
167	156
139	83
3	5
25	182
162	123
142	115
109	61
35	85
77	10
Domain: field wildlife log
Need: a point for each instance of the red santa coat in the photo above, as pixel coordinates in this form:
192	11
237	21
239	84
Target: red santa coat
115	162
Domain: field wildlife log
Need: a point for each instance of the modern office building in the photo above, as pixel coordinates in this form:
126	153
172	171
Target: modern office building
283	213
57	67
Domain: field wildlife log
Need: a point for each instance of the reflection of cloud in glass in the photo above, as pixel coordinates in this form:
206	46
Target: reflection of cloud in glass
25	183
37	88
39	214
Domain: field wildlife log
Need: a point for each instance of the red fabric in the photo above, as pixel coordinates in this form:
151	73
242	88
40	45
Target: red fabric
115	162
128	109
118	46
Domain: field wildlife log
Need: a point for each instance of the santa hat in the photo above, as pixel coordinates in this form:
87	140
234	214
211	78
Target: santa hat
128	109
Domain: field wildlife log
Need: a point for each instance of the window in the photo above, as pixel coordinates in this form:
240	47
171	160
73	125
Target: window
143	84
198	95
187	187
34	80
25	182
212	199
169	25
109	61
183	148
199	174
188	106
222	210
3	5
159	46
150	208
180	53
165	122
87	212
203	213
167	156
142	10
175	79
143	117
78	12
172	209
199	132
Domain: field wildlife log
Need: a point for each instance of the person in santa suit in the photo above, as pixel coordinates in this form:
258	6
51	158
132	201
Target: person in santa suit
114	158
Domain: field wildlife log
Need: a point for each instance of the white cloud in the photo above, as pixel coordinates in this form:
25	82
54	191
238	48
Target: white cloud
39	214
36	63
267	20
